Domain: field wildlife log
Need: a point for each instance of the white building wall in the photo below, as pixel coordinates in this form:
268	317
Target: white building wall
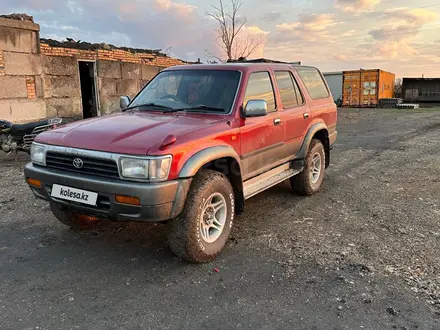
334	81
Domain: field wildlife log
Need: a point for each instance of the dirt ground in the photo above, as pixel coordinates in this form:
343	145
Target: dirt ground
362	254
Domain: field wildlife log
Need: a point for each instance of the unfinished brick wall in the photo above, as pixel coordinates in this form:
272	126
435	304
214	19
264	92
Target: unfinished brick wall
20	68
152	59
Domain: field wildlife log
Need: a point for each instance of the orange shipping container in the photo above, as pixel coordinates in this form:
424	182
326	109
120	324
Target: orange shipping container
364	88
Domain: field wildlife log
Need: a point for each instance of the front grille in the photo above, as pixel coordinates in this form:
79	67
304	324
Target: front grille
93	166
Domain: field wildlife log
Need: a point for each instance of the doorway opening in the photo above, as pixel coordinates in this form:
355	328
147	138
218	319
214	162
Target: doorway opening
87	74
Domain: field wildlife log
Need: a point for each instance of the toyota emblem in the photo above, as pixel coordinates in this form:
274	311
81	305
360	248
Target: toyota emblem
78	163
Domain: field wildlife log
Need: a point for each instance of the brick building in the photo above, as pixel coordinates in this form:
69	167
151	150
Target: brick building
42	78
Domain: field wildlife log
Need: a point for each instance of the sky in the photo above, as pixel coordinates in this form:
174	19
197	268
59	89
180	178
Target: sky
400	36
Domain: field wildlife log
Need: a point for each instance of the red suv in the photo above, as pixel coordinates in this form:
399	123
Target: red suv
191	147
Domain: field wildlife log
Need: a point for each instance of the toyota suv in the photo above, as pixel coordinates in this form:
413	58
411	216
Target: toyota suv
193	145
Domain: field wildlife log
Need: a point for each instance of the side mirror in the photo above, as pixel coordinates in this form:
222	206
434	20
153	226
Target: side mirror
124	102
255	108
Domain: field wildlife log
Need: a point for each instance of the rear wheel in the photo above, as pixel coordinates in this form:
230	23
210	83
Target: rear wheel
309	181
73	219
202	230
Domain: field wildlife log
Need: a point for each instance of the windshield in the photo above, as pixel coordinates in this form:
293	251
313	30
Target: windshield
201	90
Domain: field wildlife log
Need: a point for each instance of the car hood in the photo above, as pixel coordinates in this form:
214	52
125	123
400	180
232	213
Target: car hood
126	133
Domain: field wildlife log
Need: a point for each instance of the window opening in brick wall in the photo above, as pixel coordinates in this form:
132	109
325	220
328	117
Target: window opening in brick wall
88	89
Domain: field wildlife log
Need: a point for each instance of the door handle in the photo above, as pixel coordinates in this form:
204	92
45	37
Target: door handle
306	115
277	121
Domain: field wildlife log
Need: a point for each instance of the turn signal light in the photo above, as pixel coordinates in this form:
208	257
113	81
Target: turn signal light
34	182
127	200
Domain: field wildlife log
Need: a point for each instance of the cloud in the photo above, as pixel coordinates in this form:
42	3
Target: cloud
401	26
340	57
256	35
74	7
34	4
255	30
56	25
304	38
140	10
414	16
271	17
352	6
308	23
175	7
308	27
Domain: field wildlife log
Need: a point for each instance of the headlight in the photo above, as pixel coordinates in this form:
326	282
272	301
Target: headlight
134	168
153	169
38	154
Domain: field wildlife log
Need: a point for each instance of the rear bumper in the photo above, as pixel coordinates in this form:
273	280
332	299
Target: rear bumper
159	201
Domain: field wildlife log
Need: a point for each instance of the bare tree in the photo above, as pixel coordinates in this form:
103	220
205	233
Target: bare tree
229	32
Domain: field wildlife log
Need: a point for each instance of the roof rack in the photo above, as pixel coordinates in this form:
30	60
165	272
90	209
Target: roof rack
261	60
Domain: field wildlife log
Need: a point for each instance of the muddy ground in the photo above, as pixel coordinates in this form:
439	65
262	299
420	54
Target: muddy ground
362	254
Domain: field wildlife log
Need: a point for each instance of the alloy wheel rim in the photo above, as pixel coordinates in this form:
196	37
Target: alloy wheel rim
315	169
213	218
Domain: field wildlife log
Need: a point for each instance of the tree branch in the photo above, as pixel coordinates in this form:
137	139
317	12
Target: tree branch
213	56
230	26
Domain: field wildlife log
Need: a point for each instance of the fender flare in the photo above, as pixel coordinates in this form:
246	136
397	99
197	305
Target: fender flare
204	156
308	139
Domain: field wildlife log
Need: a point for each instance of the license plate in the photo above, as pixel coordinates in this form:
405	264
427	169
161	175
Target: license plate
74	195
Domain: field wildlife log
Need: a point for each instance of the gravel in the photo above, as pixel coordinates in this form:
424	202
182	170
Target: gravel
363	253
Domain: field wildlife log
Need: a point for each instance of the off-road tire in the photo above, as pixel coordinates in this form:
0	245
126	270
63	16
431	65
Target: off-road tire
72	219
185	239
302	183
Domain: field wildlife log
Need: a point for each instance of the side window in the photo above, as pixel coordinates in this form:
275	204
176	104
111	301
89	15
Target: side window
289	91
313	81
260	87
298	92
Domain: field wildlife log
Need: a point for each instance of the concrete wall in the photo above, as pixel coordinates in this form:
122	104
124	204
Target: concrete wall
117	79
61	86
20	71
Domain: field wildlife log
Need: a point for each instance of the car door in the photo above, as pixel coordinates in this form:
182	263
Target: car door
295	113
262	138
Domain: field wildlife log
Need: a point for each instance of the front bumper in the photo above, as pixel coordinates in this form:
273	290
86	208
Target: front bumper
159	201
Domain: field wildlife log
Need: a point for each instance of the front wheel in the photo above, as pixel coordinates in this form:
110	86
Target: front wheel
202	230
309	181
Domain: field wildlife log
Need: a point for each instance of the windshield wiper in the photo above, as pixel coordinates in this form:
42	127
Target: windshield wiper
151	104
199	107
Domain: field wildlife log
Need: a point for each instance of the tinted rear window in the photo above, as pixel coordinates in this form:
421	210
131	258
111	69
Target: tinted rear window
289	91
313	81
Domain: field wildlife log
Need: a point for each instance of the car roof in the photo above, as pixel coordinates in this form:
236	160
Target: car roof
234	66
